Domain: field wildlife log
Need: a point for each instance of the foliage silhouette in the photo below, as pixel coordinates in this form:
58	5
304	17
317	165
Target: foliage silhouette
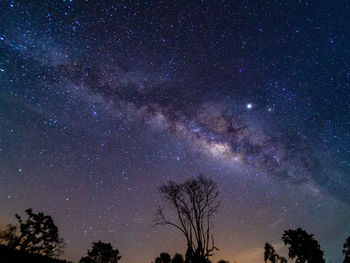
9	237
163	258
101	253
271	256
177	258
346	250
302	246
195	202
37	234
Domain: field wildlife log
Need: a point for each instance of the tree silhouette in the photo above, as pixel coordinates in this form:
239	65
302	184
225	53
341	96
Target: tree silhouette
302	246
177	258
346	250
195	203
271	256
101	253
37	234
163	258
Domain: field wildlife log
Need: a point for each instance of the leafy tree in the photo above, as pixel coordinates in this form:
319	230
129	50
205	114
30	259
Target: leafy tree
37	234
101	253
346	250
271	256
302	246
177	258
195	202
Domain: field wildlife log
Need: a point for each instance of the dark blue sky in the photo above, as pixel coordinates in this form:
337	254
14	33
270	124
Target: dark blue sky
101	102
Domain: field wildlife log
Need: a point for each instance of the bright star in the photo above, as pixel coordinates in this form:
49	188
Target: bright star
249	106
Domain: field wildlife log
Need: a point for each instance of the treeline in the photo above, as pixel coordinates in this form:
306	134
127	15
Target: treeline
195	201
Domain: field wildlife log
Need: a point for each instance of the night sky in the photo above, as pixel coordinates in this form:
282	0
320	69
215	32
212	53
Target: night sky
101	102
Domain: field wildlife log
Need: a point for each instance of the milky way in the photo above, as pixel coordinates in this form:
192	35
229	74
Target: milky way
218	128
102	102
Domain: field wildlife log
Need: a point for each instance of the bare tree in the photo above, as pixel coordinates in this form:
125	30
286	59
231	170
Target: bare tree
194	202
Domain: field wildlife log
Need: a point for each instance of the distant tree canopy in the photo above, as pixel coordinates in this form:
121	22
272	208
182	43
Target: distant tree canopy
101	253
37	234
302	246
346	250
270	255
195	202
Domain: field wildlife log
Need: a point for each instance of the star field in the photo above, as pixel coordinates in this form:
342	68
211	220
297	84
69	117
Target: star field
101	102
